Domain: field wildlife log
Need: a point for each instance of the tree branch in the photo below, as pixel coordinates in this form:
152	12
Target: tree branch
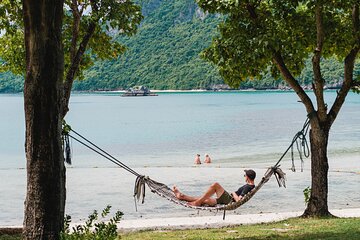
348	69
251	10
318	86
75	28
82	8
75	62
278	60
74	67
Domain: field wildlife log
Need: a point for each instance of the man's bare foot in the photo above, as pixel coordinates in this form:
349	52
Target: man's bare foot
194	203
177	193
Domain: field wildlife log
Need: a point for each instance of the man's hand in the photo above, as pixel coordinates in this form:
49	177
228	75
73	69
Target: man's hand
236	197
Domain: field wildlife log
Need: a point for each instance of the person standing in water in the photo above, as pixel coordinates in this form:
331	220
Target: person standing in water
197	159
207	159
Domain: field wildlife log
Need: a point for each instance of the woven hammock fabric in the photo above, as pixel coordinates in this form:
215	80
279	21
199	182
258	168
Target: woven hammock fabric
164	191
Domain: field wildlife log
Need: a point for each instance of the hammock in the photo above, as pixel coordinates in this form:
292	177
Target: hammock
164	191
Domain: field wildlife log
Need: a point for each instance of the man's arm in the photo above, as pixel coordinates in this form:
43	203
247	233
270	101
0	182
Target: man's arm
236	197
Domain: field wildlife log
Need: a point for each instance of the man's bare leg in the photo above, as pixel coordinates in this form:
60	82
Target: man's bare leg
215	188
179	195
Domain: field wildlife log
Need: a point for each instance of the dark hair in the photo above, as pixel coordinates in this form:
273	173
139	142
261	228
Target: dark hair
250	174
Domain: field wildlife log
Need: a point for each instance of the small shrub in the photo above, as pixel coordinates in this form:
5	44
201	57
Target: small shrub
94	228
307	192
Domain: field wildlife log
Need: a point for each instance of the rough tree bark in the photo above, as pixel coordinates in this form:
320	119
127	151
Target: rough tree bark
318	204
42	98
319	134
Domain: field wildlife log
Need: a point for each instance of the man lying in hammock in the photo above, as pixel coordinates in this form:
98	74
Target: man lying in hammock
222	196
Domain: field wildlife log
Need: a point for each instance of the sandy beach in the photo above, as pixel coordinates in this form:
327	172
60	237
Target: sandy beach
217	221
207	221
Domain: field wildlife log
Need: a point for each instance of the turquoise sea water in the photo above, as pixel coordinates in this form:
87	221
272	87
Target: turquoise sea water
170	129
161	135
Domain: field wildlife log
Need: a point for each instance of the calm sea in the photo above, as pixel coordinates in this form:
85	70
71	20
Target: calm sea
160	136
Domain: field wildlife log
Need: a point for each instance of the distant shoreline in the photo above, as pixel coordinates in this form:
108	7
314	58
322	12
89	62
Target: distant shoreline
199	91
193	90
281	89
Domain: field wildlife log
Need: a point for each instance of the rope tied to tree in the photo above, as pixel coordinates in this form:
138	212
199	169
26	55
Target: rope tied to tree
302	146
87	143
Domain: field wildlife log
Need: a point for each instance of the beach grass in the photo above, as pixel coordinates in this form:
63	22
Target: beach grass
10	233
296	228
10	237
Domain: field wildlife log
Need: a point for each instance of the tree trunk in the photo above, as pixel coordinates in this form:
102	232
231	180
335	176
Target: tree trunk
317	205
42	102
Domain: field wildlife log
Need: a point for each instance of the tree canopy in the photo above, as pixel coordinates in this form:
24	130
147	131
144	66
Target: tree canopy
254	31
111	18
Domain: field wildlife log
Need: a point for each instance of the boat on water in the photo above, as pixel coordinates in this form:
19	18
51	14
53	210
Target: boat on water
138	91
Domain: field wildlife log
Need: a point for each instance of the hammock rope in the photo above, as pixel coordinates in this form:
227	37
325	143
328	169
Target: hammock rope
89	144
301	145
164	191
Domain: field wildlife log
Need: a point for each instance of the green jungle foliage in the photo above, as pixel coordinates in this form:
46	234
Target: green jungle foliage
165	54
9	83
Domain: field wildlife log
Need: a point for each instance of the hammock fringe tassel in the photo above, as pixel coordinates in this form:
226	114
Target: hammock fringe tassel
139	188
279	175
67	149
66	142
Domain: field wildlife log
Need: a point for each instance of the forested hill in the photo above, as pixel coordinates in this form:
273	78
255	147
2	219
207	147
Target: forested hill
164	54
